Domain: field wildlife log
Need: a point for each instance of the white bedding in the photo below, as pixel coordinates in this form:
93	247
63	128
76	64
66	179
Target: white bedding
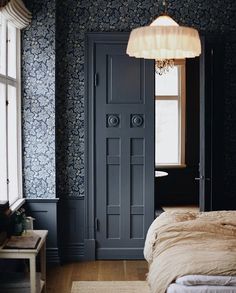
186	243
193	280
177	288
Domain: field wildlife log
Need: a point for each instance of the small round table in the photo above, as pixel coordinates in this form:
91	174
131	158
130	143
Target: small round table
160	173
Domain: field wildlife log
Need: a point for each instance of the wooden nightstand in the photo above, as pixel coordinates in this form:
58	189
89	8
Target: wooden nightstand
31	254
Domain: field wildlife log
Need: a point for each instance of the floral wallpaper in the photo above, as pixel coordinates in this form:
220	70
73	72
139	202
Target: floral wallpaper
38	103
45	61
74	19
229	122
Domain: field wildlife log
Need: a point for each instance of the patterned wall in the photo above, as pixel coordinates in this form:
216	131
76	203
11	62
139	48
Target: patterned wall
74	19
230	123
38	104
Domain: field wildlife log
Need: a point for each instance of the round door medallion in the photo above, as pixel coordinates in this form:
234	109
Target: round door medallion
113	120
137	120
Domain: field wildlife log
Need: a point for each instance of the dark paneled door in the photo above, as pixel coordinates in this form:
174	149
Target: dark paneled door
123	149
211	123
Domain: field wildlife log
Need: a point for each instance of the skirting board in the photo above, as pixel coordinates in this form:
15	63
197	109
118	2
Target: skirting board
119	253
53	256
89	249
72	252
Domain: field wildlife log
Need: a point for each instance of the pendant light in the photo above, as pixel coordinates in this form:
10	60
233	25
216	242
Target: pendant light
164	40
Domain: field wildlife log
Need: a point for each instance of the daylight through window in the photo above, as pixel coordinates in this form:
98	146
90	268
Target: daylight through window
10	118
170	116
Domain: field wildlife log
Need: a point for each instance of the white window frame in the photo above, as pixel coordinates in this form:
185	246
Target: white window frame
181	98
16	82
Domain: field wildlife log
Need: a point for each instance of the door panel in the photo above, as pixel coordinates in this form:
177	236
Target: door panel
120	90
124	151
211	123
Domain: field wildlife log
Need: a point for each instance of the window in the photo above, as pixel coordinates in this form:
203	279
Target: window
10	113
170	116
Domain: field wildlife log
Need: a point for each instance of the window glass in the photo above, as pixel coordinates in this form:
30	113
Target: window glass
167	132
11	51
2	45
12	145
167	84
10	148
3	150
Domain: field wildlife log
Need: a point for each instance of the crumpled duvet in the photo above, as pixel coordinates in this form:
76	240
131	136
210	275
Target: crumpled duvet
187	243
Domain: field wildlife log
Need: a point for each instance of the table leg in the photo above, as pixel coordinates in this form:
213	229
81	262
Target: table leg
33	274
43	265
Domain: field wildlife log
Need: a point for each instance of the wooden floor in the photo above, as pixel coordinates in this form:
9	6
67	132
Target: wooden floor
60	278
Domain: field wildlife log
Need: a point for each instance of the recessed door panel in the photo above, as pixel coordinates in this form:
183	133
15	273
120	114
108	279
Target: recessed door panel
125	88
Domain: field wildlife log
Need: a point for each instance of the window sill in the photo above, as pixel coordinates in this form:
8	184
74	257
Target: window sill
17	204
160	167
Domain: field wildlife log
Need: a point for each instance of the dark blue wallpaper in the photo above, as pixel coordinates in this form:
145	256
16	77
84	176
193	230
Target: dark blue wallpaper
73	20
38	103
230	122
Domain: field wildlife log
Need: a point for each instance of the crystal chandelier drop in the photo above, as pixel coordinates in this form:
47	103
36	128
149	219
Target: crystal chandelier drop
164	40
163	66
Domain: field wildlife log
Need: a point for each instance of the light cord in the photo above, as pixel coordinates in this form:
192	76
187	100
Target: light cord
165	6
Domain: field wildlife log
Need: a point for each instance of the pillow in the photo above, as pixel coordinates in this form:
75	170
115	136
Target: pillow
192	280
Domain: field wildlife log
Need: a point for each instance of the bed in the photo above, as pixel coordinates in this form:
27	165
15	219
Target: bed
192	252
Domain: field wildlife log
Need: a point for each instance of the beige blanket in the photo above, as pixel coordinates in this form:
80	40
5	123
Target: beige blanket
185	243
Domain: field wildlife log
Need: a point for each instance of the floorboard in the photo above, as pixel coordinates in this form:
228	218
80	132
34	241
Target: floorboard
60	278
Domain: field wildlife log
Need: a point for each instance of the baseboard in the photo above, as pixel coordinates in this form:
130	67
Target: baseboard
89	249
72	252
119	253
53	256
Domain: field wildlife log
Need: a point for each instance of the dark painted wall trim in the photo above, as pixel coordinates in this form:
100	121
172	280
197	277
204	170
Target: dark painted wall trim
89	249
45	213
42	200
71	229
113	253
72	252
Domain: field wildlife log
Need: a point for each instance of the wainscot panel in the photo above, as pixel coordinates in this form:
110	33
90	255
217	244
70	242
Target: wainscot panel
71	229
45	213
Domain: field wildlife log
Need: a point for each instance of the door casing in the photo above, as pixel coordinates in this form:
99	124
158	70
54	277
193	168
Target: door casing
211	123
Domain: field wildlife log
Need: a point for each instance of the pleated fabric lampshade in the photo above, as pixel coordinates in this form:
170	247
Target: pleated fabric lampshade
163	40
